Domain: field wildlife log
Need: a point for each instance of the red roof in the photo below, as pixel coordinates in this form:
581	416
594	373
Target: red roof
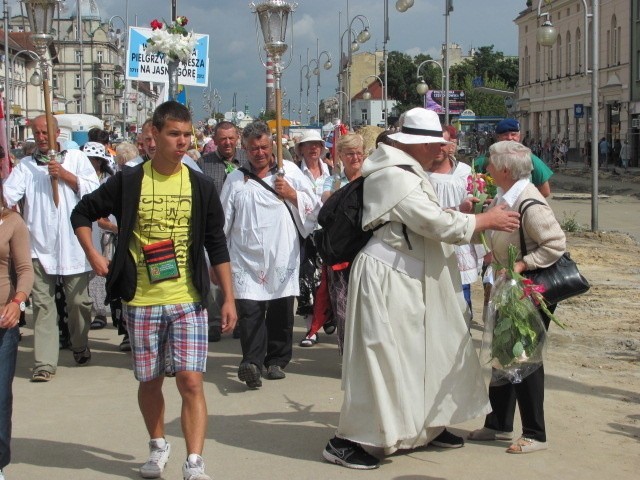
375	89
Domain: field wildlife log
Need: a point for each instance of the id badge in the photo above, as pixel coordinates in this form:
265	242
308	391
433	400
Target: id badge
160	258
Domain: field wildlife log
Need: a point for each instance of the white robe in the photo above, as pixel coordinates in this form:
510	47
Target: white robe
263	241
409	365
53	242
451	189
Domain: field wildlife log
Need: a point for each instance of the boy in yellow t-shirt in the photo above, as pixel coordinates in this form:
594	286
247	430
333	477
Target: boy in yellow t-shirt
168	215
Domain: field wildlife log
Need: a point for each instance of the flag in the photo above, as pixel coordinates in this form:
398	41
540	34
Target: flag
5	164
181	97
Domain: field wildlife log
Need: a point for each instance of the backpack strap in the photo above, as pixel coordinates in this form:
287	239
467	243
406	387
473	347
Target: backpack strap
253	176
524	206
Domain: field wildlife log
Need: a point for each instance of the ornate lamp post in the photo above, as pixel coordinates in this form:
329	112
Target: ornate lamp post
272	17
99	96
316	71
422	86
40	15
354	42
546	36
367	94
119	37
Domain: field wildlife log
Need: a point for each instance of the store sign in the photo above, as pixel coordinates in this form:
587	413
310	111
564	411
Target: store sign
152	67
434	100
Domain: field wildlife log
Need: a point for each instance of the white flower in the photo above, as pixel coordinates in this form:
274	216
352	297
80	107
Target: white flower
174	45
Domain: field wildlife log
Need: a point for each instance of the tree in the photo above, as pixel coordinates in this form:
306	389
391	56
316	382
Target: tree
485	104
486	64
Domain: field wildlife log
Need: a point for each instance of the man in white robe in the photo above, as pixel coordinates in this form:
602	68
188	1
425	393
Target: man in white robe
449	179
54	247
409	367
262	232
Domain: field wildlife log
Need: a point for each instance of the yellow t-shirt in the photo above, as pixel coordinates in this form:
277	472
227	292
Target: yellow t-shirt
164	212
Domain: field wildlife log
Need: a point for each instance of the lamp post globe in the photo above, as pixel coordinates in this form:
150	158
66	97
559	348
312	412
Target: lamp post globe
366	95
546	34
404	5
36	79
422	87
100	97
364	35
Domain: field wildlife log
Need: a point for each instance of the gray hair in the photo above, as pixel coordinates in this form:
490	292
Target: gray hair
350	140
513	156
254	130
126	151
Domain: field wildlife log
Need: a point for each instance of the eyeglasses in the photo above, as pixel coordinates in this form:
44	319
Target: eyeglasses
352	154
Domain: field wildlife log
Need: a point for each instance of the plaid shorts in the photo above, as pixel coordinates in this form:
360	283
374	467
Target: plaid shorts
167	338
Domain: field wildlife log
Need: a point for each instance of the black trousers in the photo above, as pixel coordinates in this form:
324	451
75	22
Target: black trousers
266	331
529	394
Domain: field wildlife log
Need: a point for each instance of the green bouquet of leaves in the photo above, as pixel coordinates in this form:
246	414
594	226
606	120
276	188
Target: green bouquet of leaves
514	335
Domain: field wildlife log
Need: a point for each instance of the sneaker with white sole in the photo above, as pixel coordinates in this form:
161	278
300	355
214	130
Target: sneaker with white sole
158	457
193	469
349	454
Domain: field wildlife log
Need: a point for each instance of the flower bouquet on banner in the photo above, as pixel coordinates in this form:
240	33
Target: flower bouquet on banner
175	43
514	337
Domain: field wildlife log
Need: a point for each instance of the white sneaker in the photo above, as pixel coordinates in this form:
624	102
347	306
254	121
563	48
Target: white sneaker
158	458
194	470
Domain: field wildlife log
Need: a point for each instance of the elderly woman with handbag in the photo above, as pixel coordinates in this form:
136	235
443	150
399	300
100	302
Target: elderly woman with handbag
544	243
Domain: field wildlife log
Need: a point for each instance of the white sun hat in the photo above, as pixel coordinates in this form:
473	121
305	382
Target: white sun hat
420	126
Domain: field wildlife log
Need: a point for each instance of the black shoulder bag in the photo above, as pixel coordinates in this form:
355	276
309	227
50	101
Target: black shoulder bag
561	280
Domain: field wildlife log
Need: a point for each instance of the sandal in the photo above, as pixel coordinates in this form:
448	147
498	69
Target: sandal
99	322
82	357
41	376
486	434
526	445
309	341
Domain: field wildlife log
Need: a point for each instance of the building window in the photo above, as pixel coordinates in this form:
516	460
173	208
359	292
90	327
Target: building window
364	115
538	63
54	81
100	56
578	51
106	78
106	106
550	64
525	64
78	56
78	106
568	65
77	82
559	57
615	41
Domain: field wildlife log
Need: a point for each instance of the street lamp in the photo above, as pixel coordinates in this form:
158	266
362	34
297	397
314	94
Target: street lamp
272	17
404	5
316	71
367	94
40	15
354	46
422	88
99	96
35	80
119	37
546	36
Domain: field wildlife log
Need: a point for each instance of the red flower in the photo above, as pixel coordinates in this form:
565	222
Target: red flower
155	24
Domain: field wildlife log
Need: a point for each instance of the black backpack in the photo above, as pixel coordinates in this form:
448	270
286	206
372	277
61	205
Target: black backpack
341	236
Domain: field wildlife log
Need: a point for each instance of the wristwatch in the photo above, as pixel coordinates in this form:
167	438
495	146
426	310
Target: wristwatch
20	303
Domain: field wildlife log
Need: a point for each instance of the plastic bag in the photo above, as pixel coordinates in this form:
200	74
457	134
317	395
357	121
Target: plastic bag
514	337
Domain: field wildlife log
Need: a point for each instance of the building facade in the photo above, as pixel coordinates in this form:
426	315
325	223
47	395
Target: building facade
554	93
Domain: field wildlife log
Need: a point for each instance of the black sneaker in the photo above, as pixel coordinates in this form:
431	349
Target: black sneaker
447	440
250	374
349	454
215	333
274	372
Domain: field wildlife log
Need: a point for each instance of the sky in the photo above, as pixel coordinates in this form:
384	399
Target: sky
235	66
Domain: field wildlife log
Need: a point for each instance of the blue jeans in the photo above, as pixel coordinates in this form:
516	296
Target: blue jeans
8	353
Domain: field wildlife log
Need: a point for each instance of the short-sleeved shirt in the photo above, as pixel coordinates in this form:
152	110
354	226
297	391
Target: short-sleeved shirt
164	212
539	175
